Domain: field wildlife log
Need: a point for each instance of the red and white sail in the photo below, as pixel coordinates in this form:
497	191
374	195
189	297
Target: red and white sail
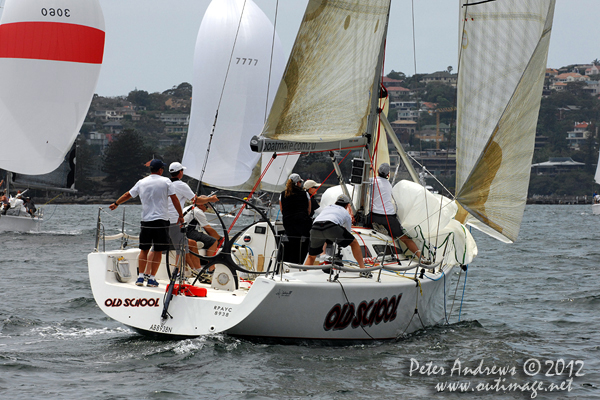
50	57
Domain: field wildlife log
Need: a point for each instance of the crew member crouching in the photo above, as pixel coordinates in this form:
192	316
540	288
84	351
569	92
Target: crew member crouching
334	225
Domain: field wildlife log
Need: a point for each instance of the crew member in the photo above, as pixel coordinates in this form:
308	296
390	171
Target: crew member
294	204
383	211
334	225
154	191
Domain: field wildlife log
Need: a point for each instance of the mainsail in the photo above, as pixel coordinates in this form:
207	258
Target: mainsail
324	99
237	67
502	62
50	58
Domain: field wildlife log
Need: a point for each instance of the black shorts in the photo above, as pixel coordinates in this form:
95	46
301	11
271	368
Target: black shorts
201	237
155	234
328	232
389	222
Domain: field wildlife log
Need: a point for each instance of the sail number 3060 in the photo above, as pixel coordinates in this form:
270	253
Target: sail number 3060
59	12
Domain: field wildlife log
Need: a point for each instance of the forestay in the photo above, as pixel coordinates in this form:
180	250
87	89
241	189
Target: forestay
237	67
326	89
502	64
50	58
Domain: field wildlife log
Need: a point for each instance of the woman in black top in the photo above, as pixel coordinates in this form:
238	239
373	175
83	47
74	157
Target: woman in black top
294	204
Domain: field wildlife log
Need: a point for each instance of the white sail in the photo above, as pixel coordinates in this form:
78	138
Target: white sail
503	53
61	179
237	67
325	93
50	58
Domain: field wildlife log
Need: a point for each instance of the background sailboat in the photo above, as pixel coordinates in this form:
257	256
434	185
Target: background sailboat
50	58
238	64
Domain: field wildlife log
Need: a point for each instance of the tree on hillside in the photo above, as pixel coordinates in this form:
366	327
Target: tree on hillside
139	98
182	91
414	82
172	153
442	94
124	160
396	75
157	102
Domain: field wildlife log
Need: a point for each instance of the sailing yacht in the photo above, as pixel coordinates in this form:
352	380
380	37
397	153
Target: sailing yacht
322	107
52	54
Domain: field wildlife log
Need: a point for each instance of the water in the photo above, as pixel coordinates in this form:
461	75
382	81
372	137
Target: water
536	299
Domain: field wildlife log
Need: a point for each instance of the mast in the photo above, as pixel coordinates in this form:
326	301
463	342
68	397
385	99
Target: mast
372	123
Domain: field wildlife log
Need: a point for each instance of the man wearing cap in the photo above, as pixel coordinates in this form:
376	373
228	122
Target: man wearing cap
183	193
383	210
334	225
294	204
154	191
311	188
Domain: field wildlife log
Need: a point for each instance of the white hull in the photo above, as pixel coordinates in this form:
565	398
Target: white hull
596	209
306	306
19	223
295	305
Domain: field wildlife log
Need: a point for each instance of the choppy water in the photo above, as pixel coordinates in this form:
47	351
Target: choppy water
536	299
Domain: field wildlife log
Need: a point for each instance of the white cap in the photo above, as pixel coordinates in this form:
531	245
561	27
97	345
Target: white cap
175	167
310	184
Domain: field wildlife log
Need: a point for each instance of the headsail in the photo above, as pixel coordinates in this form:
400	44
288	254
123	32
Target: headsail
323	101
237	68
50	58
502	63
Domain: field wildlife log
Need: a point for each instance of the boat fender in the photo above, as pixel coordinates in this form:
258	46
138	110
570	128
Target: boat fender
121	268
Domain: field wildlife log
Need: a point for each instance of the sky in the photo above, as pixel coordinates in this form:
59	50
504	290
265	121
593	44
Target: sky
150	43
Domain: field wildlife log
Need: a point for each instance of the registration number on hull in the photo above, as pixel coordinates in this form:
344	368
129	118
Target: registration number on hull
161	328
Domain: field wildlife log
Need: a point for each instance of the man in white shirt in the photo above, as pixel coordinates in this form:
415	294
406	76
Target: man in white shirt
183	193
383	211
334	224
154	191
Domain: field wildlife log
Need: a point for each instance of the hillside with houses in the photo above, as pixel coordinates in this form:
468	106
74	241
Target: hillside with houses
421	111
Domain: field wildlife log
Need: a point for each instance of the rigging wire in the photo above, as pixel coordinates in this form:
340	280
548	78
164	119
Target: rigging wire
271	60
268	90
414	37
